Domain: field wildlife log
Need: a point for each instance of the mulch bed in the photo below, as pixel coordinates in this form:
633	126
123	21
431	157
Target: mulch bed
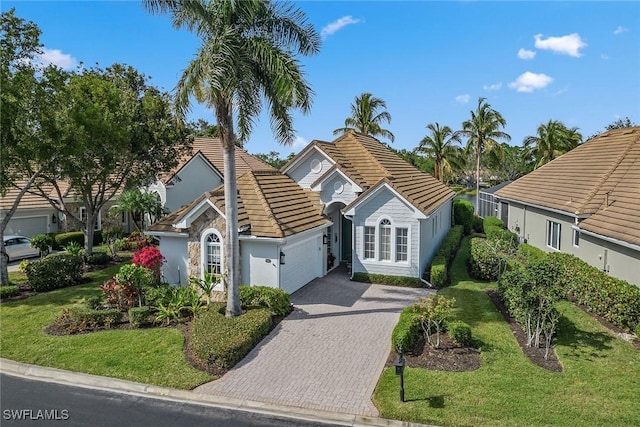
536	355
449	356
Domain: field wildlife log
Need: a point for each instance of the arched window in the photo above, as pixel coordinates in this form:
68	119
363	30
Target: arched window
385	240
213	254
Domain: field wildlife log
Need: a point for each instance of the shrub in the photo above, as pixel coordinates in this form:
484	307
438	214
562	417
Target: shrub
42	242
139	316
407	330
460	332
136	240
150	258
527	253
94	302
98	258
53	272
434	311
492	222
224	341
616	300
638	330
477	225
74	249
79	319
484	262
63	239
439	274
274	299
463	214
383	279
134	278
9	291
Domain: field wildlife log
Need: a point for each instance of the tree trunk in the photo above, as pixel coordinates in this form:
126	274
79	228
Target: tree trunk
477	178
231	244
88	236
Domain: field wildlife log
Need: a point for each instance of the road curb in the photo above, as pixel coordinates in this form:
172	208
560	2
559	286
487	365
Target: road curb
97	382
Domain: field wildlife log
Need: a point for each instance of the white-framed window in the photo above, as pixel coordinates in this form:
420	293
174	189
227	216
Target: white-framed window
385	240
553	235
402	244
434	226
369	242
576	238
213	253
82	215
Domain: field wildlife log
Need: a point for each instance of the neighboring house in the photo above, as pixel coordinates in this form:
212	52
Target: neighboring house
487	202
281	230
351	200
586	202
199	171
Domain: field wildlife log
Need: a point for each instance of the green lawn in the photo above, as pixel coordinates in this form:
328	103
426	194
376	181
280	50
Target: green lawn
152	356
600	384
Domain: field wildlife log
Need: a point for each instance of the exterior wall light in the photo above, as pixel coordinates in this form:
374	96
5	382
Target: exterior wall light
282	258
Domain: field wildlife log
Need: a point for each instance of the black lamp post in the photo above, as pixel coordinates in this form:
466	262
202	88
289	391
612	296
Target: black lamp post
400	371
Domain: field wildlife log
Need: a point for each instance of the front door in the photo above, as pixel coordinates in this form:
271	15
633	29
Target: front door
346	239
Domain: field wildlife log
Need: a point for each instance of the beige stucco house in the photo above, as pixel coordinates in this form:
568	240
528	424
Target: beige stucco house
586	203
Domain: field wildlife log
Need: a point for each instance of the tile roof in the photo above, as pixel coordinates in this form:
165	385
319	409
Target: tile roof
211	149
28	201
367	162
599	180
270	202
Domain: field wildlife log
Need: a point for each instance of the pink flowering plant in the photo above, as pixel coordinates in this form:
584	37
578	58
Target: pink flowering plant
151	258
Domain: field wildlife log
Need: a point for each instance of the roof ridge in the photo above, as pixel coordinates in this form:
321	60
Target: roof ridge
265	203
607	175
369	154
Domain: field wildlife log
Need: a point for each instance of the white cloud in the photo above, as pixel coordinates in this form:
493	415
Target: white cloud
620	30
567	45
298	143
463	99
560	92
526	54
495	86
57	58
337	25
528	82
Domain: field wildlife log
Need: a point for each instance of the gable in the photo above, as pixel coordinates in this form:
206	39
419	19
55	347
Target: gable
383	201
309	167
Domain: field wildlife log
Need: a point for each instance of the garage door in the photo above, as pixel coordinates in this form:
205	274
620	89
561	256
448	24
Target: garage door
303	263
27	226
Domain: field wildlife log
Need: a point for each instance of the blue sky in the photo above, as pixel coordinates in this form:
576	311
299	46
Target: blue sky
578	62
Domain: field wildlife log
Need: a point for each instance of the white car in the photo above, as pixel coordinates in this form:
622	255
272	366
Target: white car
18	247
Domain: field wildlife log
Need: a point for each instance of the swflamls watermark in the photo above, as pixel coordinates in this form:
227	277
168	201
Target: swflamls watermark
35	414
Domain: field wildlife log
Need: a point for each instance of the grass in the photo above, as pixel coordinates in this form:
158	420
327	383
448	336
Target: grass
152	356
600	384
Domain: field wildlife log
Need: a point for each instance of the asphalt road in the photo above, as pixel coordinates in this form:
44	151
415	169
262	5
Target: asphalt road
36	401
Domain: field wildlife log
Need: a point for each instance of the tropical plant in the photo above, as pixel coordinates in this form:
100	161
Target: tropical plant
150	258
483	132
365	117
441	146
74	249
247	56
551	140
135	277
207	284
139	206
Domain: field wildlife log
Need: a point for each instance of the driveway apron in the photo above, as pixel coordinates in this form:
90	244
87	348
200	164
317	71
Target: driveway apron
327	354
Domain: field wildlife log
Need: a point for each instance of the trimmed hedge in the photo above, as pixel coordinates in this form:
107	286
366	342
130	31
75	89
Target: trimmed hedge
224	341
53	272
438	272
407	330
9	291
80	318
527	253
274	299
460	332
63	239
98	258
484	262
478	224
463	214
383	279
139	316
616	300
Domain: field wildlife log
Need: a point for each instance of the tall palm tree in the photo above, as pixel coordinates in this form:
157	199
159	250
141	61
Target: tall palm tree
483	132
552	140
441	146
365	117
247	58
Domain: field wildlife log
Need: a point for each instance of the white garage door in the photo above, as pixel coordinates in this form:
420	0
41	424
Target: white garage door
27	226
303	263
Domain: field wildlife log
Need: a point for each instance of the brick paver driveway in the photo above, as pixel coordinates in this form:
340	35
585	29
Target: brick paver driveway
327	354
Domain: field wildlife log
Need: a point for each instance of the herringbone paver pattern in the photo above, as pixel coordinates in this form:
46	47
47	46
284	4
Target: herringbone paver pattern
328	354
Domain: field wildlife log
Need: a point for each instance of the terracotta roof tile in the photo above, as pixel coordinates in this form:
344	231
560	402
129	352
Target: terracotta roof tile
605	169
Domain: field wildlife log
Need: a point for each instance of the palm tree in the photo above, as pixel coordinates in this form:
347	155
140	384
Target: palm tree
441	146
552	140
483	132
365	117
247	58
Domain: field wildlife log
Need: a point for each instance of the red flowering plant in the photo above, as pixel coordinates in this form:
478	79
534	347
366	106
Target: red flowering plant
151	258
119	294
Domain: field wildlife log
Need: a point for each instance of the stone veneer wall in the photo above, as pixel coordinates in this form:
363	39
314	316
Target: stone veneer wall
210	219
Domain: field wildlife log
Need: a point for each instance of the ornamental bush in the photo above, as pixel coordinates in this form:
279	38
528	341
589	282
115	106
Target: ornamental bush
485	261
139	316
463	214
149	257
53	272
276	300
79	319
407	330
9	291
42	242
98	258
224	341
460	332
383	279
63	239
438	272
